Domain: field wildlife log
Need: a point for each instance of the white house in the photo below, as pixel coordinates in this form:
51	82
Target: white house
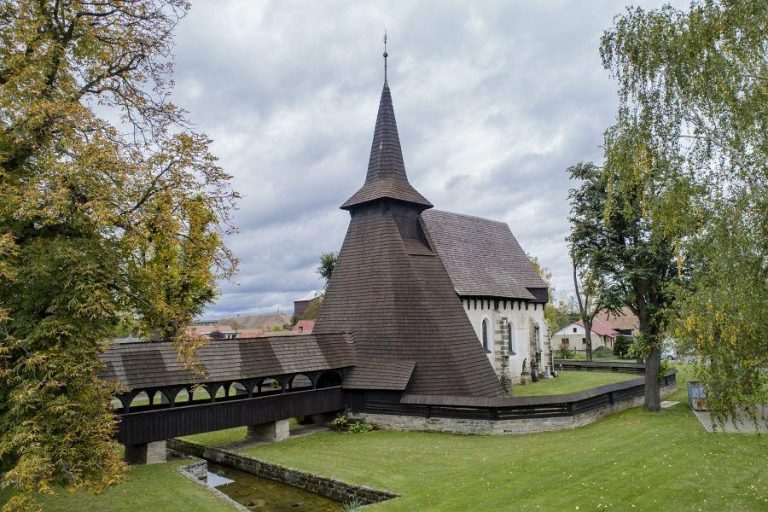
500	289
573	336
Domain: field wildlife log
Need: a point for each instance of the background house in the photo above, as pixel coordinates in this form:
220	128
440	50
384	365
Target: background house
574	337
624	322
303	327
301	305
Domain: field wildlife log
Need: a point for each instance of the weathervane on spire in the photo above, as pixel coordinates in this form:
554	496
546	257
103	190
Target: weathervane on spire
385	56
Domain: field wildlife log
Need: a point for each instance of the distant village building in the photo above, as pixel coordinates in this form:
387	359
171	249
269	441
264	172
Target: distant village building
301	305
574	336
624	321
246	326
303	327
213	331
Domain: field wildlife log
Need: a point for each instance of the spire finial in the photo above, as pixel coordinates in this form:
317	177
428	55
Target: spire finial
385	56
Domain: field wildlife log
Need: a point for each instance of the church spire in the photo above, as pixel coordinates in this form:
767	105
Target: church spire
385	57
386	177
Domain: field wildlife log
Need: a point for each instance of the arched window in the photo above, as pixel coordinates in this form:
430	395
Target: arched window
537	337
511	338
486	341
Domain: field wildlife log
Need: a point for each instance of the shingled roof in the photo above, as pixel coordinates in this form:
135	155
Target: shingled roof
483	258
381	375
392	291
386	170
150	365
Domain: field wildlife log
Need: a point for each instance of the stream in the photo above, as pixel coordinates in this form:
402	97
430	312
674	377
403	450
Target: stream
263	495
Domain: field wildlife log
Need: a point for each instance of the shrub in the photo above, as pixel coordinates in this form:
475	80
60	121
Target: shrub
506	382
340	423
359	427
355	504
602	352
343	424
621	346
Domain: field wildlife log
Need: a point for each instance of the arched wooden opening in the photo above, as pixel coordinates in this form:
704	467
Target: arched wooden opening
160	398
200	393
329	379
300	382
182	397
140	400
117	404
217	390
270	385
237	389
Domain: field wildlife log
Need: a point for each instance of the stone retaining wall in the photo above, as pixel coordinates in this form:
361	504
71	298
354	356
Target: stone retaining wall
499	427
197	472
333	489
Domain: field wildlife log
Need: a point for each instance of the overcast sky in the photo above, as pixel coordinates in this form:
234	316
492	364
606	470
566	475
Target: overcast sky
494	100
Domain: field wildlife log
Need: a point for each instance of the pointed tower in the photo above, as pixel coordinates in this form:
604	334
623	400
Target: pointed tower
391	290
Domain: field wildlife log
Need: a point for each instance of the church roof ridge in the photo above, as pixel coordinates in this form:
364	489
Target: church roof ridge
468	216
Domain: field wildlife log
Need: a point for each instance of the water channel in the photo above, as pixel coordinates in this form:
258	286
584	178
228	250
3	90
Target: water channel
263	495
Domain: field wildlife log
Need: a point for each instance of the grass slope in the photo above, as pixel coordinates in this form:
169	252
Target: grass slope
570	382
148	488
219	437
631	461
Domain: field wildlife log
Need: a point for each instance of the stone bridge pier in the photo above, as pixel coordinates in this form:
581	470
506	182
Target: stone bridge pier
146	453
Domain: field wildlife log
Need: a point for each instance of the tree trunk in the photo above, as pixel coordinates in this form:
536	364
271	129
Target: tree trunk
588	334
652	389
585	316
652	361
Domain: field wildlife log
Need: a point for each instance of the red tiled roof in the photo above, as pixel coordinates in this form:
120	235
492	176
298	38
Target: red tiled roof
600	329
303	326
624	319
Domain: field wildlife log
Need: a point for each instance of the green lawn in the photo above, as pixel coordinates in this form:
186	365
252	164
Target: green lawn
570	382
158	487
631	461
225	437
219	437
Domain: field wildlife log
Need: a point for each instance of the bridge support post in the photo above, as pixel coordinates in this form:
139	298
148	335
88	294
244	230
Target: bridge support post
269	432
146	453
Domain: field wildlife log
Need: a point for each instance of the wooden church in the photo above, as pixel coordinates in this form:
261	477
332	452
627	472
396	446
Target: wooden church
439	303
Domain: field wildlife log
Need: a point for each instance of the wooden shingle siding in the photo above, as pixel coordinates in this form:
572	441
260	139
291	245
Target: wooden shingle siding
388	375
483	258
152	365
392	290
386	170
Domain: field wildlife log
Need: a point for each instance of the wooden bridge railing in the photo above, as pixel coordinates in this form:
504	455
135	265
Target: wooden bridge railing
166	423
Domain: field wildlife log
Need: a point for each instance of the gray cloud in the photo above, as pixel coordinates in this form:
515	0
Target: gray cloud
494	100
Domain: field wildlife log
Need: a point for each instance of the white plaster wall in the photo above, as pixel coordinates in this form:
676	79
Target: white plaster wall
521	319
576	339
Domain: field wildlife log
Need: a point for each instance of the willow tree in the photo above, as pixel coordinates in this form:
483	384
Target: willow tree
111	207
699	79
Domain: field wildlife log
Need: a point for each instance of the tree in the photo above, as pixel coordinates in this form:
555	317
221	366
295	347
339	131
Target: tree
698	80
552	313
617	234
558	313
621	346
588	299
111	211
313	309
327	264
